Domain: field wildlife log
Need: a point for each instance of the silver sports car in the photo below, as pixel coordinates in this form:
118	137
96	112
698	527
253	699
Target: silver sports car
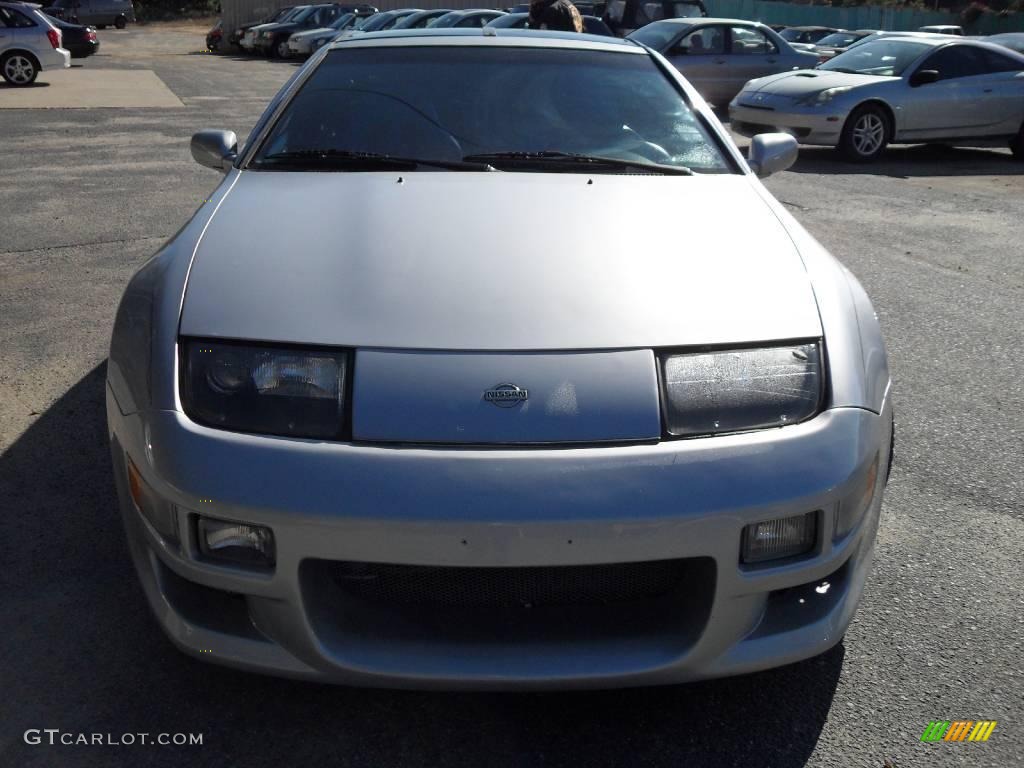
359	439
894	90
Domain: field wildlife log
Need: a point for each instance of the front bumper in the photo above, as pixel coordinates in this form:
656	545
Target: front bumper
809	125
477	509
300	46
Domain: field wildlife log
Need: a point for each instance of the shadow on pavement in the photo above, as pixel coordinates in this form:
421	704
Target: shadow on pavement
913	161
80	652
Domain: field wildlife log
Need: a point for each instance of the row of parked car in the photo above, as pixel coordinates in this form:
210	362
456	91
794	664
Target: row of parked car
33	38
302	29
854	90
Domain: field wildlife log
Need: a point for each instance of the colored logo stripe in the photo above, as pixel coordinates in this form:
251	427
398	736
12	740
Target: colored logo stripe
982	730
958	730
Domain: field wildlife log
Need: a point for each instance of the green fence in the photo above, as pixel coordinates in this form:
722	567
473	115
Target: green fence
859	17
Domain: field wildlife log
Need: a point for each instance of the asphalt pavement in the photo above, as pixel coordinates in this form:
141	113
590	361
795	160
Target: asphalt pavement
935	235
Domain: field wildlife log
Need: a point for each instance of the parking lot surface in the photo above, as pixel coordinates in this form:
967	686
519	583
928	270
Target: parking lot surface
934	234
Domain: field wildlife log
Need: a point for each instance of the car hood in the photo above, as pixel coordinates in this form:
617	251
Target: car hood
497	261
805	81
287	26
313	33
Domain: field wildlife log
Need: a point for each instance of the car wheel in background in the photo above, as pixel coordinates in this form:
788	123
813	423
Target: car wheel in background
19	68
120	22
101	26
1017	144
865	134
281	49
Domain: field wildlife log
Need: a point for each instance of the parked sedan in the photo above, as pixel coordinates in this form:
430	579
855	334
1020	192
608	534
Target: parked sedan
29	42
806	35
719	55
79	40
305	43
943	29
591	24
248	41
272	39
238	34
435	456
837	42
420	19
472	19
903	90
379	22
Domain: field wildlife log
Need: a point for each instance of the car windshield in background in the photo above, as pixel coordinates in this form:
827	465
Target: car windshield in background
838	40
888	58
657	35
479	108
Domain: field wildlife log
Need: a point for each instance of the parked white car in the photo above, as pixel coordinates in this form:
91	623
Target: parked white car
29	42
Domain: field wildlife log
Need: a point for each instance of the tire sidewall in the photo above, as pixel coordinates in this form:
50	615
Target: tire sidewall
120	22
846	146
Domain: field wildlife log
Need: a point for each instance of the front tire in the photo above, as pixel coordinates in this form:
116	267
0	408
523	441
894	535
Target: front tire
19	69
865	134
281	50
120	22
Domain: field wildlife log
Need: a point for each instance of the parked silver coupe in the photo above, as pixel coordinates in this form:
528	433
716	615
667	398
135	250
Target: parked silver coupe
718	56
357	440
902	90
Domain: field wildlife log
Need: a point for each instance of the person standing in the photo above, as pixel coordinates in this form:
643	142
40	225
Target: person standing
560	15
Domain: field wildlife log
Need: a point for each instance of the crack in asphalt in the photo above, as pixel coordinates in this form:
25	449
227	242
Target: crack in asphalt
85	245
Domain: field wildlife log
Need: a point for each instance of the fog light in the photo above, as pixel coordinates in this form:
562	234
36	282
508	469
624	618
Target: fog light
161	515
779	538
236	543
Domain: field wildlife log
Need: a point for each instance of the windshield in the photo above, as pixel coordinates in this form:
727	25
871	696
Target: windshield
445	21
305	13
888	58
657	35
343	21
838	40
790	34
453	103
378	21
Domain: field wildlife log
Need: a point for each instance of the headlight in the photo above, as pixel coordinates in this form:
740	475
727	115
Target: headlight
741	389
265	389
823	97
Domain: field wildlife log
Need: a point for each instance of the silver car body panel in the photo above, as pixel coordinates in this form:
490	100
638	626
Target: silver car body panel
562	289
490	506
973	110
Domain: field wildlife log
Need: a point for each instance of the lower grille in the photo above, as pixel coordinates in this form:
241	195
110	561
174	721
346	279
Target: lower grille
528	587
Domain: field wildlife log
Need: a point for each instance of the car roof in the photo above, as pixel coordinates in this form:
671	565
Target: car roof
815	28
692	20
521	38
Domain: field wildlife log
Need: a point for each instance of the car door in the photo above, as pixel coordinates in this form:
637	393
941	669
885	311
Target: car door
952	107
1002	93
751	54
18	30
700	56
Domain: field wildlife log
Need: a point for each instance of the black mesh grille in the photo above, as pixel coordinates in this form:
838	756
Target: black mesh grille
511	587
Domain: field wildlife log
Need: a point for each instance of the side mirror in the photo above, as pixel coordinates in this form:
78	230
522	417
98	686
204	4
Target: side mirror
924	77
215	149
771	152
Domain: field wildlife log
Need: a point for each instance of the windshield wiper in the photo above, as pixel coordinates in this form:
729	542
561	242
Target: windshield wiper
844	70
572	160
350	160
